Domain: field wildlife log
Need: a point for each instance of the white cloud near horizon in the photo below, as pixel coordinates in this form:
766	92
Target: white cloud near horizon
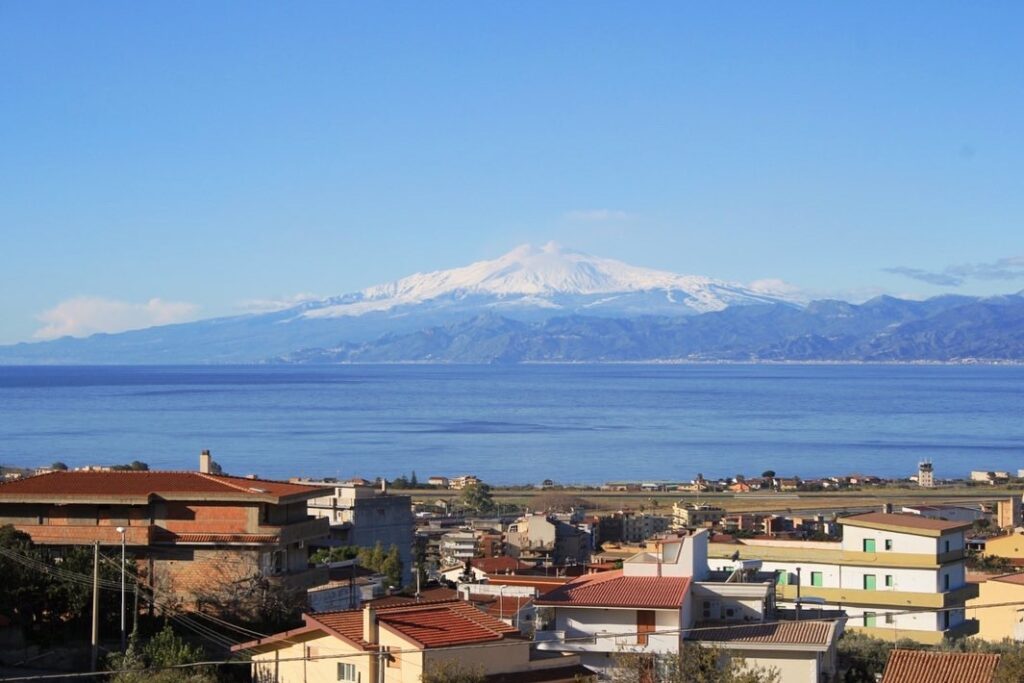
84	315
271	305
597	215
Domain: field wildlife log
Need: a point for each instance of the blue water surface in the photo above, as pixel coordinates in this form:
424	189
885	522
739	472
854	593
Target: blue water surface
520	424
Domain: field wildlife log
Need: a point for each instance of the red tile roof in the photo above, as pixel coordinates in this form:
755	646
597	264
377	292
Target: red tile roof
612	589
786	632
500	565
445	624
430	625
131	486
347	624
920	666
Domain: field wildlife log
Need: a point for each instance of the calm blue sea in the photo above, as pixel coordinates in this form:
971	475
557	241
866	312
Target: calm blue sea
571	423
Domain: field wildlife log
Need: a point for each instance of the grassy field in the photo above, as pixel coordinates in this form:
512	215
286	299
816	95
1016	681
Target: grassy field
662	502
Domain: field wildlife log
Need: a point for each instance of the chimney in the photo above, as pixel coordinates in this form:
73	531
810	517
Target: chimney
383	486
204	462
887	508
370	631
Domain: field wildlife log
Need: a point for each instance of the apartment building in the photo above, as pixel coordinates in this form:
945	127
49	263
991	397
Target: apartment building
894	575
999	608
457	547
692	516
192	532
546	538
363	516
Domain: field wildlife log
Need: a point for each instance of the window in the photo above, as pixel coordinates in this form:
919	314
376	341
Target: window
870	582
347	672
870	619
889	582
783	579
890	618
947	547
816	579
945	620
888	544
945	582
869	545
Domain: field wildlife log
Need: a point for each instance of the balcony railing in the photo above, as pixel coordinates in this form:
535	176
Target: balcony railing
314	527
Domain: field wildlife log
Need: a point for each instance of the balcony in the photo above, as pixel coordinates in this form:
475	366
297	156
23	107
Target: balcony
890	634
579	641
307	530
880	598
86	534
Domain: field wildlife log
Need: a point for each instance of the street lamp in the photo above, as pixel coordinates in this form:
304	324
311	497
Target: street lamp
124	638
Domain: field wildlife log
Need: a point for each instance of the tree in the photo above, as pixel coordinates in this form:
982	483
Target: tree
452	671
1011	667
149	662
413	481
339	554
768	474
59	466
478	498
695	663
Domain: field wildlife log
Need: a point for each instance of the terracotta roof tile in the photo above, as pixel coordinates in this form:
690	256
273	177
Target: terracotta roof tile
907	521
141	485
791	632
249	539
920	666
1009	578
612	589
445	624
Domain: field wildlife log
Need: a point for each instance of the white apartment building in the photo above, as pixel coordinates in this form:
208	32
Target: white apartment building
457	547
894	575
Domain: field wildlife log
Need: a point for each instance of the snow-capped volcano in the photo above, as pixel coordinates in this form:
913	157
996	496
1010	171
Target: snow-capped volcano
547	277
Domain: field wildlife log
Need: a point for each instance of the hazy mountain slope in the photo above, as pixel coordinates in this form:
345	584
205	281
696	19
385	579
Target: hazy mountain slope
879	330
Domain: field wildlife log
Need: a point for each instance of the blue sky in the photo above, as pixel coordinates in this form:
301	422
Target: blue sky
162	161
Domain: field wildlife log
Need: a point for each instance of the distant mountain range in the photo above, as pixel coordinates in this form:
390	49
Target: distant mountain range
551	304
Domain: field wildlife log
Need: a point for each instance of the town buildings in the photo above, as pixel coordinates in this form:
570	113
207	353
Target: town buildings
548	539
363	516
895	575
695	515
999	608
193	533
399	643
661	600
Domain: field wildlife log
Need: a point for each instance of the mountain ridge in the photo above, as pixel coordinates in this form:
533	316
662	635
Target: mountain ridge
553	304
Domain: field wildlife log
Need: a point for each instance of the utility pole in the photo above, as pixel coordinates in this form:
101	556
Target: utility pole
95	605
124	633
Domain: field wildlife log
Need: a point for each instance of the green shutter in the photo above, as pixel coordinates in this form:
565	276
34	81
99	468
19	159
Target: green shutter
783	579
869	619
870	582
869	545
816	579
888	580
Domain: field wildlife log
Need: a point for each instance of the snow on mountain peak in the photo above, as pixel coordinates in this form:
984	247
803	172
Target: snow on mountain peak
533	276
